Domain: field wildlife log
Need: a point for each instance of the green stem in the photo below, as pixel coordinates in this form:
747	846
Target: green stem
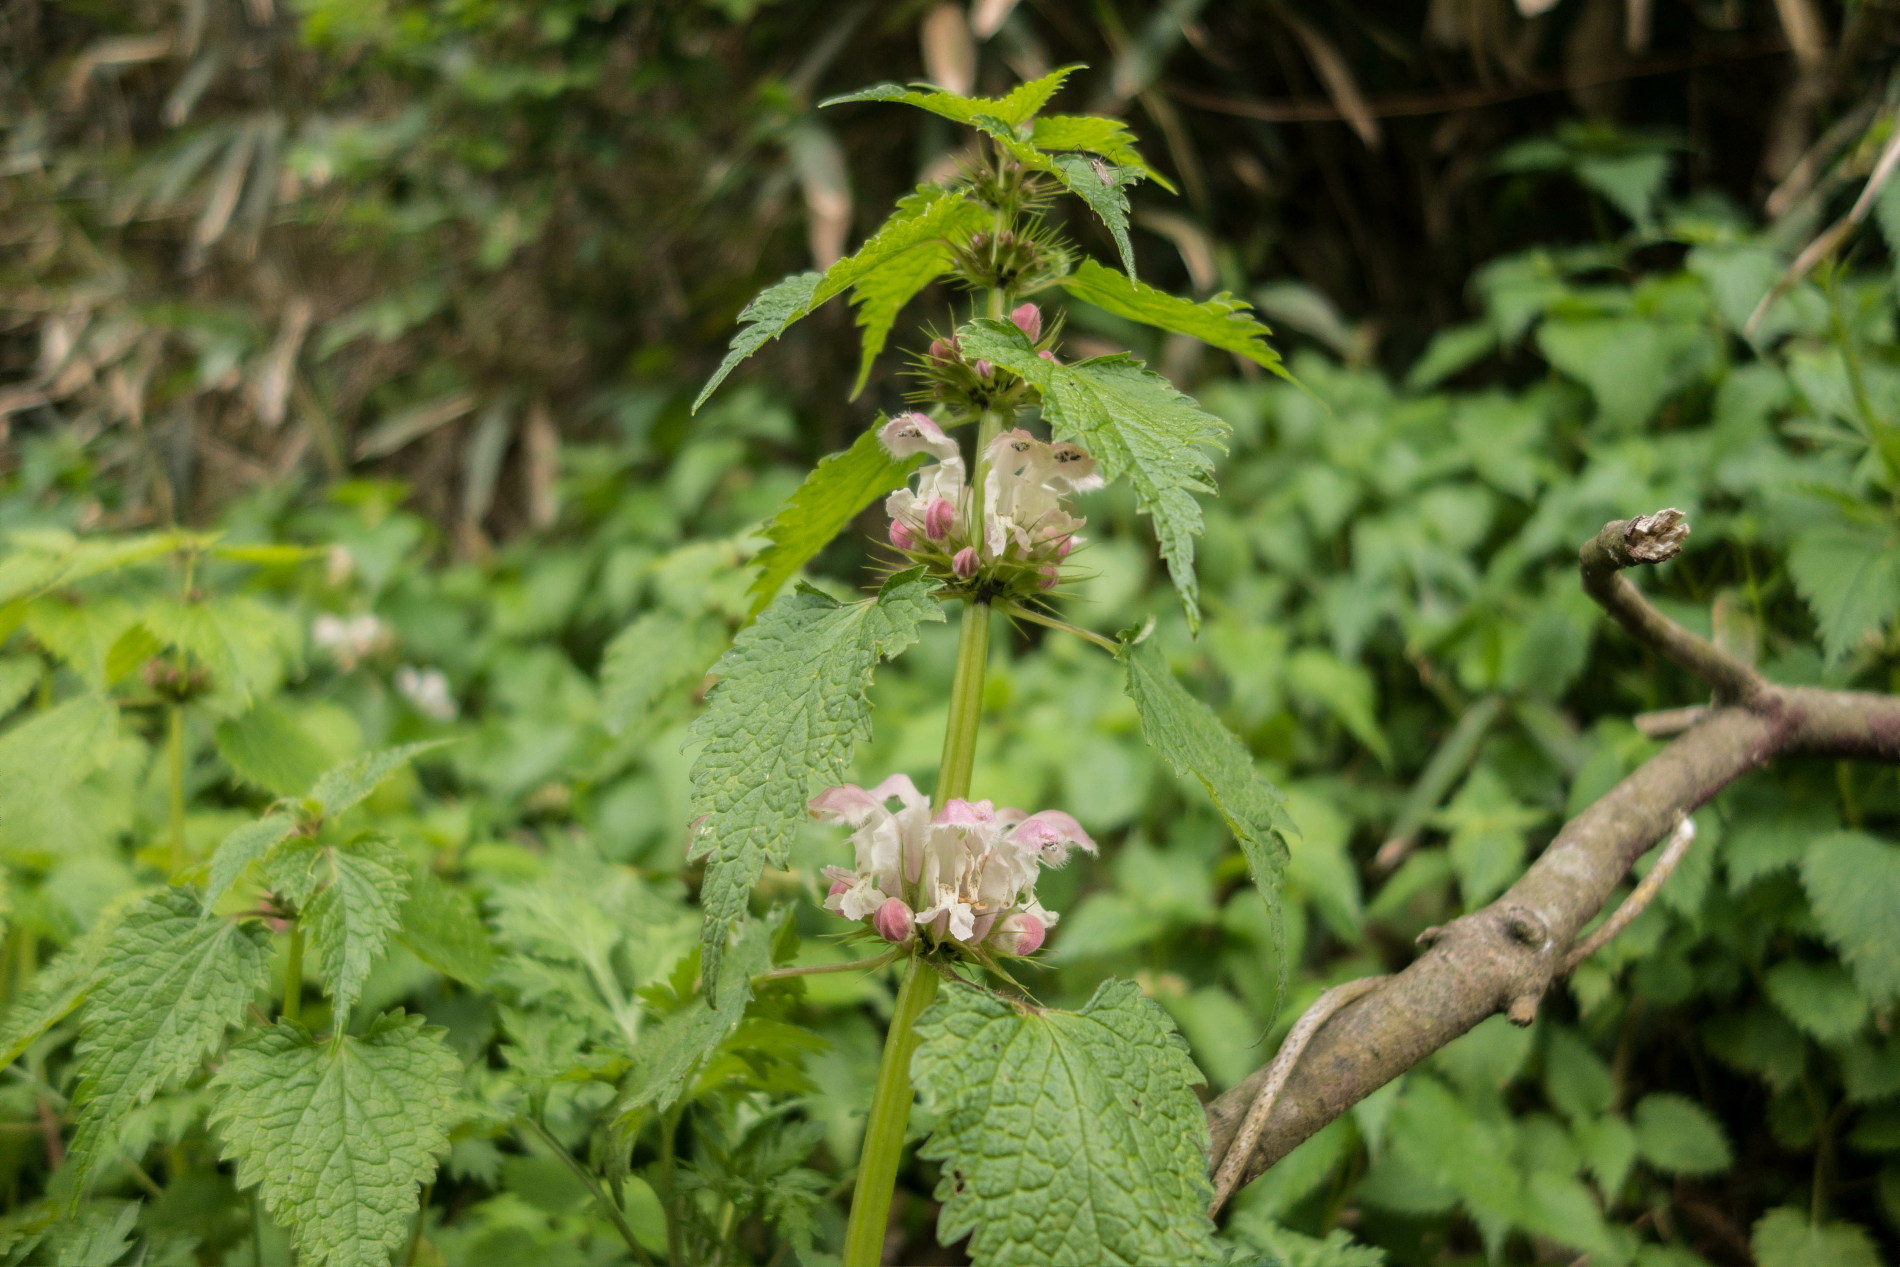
293	976
966	704
669	1199
593	1187
175	755
890	1114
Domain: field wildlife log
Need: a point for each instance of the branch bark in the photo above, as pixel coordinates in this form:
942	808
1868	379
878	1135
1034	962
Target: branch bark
1503	957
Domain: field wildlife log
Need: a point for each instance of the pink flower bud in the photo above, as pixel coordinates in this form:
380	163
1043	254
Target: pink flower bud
964	564
1028	319
1048	356
1025	930
984	369
941	353
1050	577
894	921
1064	544
939	517
837	887
900	535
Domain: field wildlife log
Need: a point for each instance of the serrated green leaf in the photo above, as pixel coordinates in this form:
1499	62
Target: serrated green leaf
242	643
659	653
926	217
1223	321
1012	110
339	1136
442	926
1193	741
1853	883
349	898
884	293
43	759
169	984
270	747
1100	185
55	990
1109	138
1135	423
39	561
82	634
787	712
1785	1237
1065	1137
1850	576
1679	1137
769	315
241	848
1820	998
129	651
98	1235
835	493
351	783
668	1052
19	674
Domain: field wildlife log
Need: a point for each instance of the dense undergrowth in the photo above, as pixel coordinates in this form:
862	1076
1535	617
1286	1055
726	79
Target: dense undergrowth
1391	563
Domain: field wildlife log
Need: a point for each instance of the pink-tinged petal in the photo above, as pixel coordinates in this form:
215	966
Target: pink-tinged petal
941	353
1049	577
1074	468
964	564
1048	356
1028	319
1050	829
984	369
981	929
900	535
900	786
1064	544
939	517
1010	448
915	432
961	813
847	804
894	921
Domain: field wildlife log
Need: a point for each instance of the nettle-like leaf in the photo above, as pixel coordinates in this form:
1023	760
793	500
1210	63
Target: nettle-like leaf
1092	134
441	924
1853	883
1191	738
669	1051
244	644
60	986
1100	185
244	846
349	899
166	988
787	712
1135	423
1065	1137
338	1135
769	315
42	762
1850	575
906	253
834	494
661	652
351	783
1788	1237
1010	111
1223	321
38	561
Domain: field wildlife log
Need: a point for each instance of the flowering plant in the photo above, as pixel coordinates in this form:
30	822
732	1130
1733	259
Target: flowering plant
948	880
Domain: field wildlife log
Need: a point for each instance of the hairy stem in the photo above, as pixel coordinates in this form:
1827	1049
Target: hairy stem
293	976
175	759
966	703
890	1114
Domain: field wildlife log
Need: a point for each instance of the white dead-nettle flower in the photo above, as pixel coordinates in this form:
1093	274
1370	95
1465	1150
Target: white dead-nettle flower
1027	528
428	690
965	874
339	565
350	639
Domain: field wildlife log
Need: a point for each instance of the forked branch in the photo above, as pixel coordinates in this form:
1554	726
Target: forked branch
1503	957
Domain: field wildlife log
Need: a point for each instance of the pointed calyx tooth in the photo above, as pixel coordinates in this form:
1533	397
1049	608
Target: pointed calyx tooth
1658	537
